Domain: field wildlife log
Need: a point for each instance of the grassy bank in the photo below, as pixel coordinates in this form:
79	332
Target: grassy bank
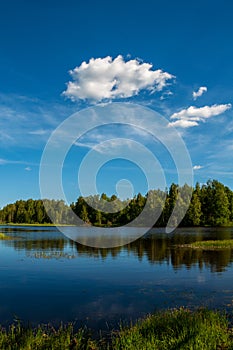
172	329
211	244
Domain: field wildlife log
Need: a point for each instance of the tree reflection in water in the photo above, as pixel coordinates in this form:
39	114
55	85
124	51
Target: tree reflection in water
155	247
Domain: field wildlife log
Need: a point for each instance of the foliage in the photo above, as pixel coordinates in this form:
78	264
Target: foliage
33	212
210	205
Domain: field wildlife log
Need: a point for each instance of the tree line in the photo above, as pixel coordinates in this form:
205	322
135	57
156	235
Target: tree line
211	204
33	211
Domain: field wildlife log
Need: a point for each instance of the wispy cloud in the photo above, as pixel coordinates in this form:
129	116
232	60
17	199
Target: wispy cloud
199	92
197	167
8	161
97	138
22	118
39	132
104	145
5	137
28	168
107	79
165	95
115	146
3	161
192	116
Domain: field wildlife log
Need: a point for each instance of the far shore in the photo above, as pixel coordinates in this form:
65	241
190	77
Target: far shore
37	225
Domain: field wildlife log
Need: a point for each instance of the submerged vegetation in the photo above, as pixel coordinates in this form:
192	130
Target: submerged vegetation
153	248
211	205
4	237
172	329
211	244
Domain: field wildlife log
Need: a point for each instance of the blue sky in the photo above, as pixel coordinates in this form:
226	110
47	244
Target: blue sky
41	41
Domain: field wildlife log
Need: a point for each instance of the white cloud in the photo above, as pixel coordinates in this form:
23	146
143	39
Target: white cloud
5	137
3	161
107	78
192	116
7	161
199	92
21	119
165	95
183	123
197	167
97	138
115	146
39	132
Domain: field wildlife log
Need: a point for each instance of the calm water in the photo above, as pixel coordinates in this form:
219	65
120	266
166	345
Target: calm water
45	277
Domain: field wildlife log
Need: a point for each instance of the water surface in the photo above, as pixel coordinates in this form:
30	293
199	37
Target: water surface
46	277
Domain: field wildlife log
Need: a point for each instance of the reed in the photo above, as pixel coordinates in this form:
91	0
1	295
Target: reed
172	329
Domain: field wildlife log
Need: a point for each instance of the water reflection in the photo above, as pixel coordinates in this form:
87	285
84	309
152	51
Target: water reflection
45	277
155	247
161	250
38	244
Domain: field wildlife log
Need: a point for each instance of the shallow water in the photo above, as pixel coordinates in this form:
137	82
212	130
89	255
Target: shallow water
46	277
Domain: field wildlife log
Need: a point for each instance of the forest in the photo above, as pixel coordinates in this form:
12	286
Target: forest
211	204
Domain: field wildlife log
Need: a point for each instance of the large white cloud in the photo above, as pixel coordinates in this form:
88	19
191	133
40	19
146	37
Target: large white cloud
192	116
108	78
199	92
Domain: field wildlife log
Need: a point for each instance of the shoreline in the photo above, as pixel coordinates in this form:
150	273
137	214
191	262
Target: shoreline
113	226
37	225
167	329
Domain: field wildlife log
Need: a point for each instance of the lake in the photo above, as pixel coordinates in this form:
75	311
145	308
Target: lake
46	277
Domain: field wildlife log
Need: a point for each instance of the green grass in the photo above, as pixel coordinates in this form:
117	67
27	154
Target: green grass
212	244
178	329
44	338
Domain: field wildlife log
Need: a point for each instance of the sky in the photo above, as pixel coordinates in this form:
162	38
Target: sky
60	57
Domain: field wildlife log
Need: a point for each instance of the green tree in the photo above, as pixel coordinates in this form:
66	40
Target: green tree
98	219
84	214
193	214
215	204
